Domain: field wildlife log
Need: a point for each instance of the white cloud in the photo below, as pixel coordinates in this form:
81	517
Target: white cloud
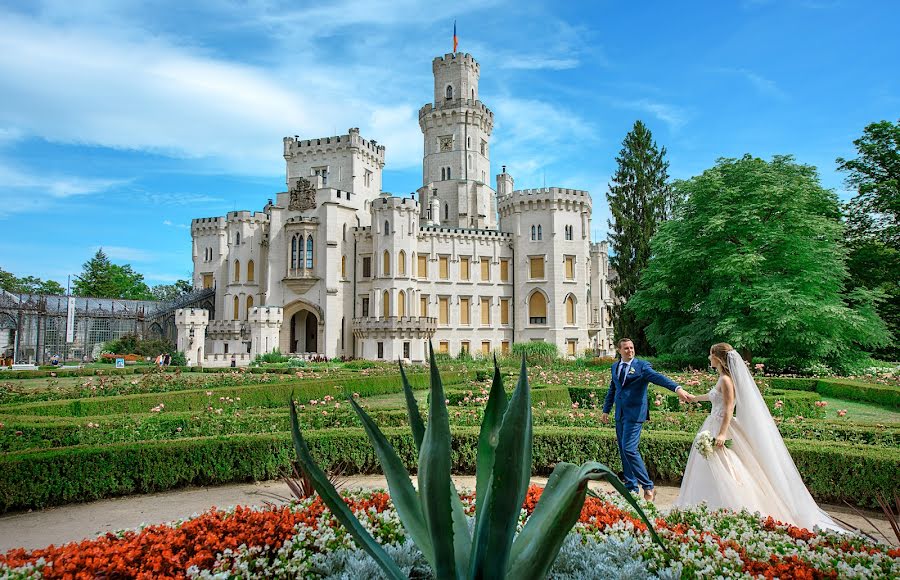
672	115
763	85
22	191
174	225
127	254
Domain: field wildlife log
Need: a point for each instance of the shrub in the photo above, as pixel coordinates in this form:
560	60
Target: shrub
790	383
674	362
833	471
884	395
536	353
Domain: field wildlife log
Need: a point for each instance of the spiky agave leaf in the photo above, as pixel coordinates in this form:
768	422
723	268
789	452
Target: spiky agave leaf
336	504
412	409
508	486
487	440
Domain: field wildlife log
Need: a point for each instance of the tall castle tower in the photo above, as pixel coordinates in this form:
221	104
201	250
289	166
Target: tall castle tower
457	130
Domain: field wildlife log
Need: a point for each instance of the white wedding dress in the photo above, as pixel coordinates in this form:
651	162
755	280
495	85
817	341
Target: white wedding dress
756	472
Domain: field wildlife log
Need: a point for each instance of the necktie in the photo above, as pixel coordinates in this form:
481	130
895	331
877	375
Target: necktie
622	368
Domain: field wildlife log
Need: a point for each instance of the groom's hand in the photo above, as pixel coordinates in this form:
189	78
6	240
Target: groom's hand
683	395
604	418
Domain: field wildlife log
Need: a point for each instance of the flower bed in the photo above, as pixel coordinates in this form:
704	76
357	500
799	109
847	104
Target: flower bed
304	540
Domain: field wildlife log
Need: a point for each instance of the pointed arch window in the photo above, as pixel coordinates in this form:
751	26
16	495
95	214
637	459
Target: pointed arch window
533	233
237	270
251	271
386	304
540	233
237	308
343	266
387	228
446	211
237	238
449	92
443	173
386	264
537	309
249	306
401	303
294	253
570	310
309	252
401	263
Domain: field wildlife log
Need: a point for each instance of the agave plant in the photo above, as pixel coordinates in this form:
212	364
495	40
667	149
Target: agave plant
434	518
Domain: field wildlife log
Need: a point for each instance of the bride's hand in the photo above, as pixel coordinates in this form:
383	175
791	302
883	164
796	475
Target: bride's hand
720	441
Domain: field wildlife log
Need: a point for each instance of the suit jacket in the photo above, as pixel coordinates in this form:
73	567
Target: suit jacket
630	397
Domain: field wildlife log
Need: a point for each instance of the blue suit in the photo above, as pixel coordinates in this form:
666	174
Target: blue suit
632	409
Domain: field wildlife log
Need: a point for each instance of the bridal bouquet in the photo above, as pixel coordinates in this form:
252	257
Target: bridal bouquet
706	444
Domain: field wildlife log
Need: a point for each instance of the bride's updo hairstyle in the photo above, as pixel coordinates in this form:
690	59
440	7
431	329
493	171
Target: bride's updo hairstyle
720	350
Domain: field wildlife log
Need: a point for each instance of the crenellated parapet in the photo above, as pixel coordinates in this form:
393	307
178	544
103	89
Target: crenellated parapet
455	59
295	147
248	217
556	198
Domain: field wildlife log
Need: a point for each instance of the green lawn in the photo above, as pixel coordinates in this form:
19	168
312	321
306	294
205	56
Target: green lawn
858	412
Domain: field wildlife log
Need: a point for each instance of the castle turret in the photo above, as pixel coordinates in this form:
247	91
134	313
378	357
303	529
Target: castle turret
457	129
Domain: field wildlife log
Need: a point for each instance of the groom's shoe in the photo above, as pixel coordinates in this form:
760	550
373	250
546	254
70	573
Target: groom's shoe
650	494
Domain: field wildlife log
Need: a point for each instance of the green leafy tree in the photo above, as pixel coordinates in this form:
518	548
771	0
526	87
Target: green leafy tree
29	284
101	278
170	292
639	199
753	257
873	225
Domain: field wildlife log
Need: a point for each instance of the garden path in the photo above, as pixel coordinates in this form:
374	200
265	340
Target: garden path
37	529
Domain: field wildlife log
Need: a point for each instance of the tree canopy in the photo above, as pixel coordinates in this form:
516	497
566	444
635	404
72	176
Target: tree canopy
753	257
29	284
170	292
100	278
639	199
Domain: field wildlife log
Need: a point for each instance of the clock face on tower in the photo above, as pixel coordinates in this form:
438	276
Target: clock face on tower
447	143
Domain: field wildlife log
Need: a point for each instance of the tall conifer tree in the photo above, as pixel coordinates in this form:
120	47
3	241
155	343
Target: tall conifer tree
639	199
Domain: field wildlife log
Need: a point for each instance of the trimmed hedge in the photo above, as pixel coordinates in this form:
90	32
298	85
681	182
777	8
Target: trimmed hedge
258	395
791	383
88	372
833	472
541	396
884	395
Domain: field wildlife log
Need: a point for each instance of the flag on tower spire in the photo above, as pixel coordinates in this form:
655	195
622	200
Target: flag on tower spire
455	39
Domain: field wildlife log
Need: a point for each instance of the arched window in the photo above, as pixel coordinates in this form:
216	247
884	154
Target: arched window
237	239
386	304
533	234
249	306
540	233
449	91
401	303
446	211
468	143
448	173
309	253
443	173
537	309
294	252
570	310
387	228
344	235
386	264
251	271
343	266
237	308
237	270
401	263
473	94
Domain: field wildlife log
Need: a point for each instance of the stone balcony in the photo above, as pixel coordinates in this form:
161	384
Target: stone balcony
395	327
227	329
300	279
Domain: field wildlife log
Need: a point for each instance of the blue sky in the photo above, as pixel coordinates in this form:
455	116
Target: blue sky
120	122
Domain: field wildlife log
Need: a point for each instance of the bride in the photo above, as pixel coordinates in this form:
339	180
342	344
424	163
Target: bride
756	471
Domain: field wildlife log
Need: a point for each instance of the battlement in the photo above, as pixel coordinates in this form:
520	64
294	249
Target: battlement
246	216
546	194
475	105
266	315
207	225
187	316
352	140
455	59
389	203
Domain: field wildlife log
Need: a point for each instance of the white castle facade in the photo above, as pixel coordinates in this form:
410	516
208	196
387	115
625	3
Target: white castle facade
337	268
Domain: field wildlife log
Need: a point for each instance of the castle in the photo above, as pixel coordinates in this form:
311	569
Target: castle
337	268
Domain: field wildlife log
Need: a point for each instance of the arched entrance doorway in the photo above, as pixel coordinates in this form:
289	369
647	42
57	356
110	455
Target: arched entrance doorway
304	326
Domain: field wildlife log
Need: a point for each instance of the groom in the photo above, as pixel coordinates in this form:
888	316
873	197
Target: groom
628	390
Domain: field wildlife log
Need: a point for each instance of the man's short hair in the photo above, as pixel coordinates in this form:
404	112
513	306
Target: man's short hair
623	341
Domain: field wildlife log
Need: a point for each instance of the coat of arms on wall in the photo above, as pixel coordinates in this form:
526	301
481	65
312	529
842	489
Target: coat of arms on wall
303	195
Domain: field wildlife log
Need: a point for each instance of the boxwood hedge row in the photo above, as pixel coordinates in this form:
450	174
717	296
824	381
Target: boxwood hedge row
833	472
